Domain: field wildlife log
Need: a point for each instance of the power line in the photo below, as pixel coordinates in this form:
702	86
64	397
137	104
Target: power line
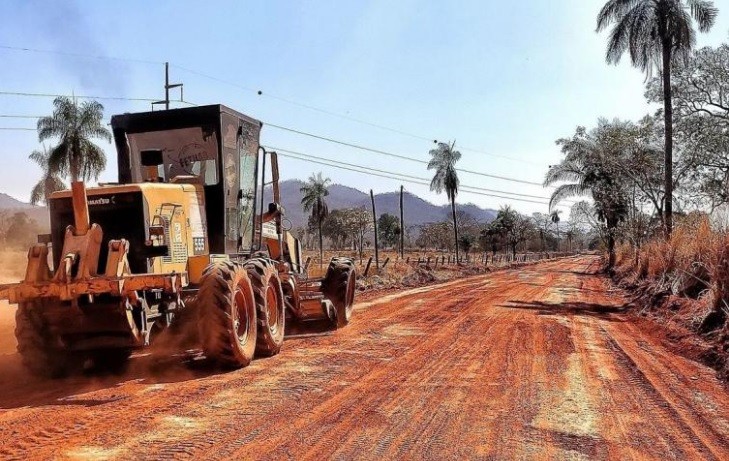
51	95
396	176
21	116
78	55
406	180
17	129
416	178
360	147
343	116
261	93
402	157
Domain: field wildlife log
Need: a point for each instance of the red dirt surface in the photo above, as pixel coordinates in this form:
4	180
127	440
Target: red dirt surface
537	362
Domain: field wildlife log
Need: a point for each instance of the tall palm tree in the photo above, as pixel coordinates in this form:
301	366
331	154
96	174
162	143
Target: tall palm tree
49	182
656	33
75	156
443	161
312	200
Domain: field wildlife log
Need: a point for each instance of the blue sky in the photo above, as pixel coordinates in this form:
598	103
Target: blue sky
503	78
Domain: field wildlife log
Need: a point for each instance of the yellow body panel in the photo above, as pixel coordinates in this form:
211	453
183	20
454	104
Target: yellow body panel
179	208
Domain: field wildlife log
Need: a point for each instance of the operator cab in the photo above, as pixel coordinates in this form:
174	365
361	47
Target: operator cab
211	146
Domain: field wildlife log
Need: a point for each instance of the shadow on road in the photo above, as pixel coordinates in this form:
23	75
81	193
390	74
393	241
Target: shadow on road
18	388
159	364
602	311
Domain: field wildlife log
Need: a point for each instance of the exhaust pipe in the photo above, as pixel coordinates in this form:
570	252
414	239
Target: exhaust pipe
80	208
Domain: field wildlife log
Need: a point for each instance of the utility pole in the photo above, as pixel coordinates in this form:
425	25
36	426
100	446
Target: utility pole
374	219
402	226
168	87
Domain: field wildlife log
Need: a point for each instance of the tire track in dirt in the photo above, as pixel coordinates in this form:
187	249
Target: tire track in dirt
525	363
674	410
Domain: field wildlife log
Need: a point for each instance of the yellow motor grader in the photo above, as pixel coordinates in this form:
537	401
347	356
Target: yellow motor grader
183	234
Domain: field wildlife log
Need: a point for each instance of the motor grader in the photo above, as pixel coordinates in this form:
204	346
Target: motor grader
182	236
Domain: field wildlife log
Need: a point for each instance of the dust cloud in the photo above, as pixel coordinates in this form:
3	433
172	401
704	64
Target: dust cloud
12	269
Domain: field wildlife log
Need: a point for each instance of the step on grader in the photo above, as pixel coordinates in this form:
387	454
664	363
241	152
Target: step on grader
182	238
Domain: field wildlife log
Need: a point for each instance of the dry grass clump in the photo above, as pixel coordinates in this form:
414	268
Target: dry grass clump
682	264
684	282
693	263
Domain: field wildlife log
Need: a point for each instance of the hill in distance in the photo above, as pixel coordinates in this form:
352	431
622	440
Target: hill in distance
37	213
8	202
417	210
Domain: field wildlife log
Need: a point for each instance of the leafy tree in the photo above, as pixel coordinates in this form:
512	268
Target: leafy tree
75	156
700	85
514	227
466	241
701	98
587	169
443	161
313	201
587	221
656	34
361	223
435	235
49	182
336	227
389	229
490	236
543	223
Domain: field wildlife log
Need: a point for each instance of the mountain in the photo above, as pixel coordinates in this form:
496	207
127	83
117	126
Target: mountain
417	210
7	201
38	213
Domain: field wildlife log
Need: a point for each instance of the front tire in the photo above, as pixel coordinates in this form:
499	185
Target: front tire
270	307
339	286
227	315
40	349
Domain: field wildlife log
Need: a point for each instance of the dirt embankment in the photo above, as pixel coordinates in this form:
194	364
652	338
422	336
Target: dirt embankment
685	320
539	362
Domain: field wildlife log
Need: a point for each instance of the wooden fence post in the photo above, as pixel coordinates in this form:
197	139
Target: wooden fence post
374	219
367	269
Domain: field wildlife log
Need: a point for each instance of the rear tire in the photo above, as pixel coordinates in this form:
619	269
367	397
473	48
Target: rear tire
339	286
227	315
40	350
270	308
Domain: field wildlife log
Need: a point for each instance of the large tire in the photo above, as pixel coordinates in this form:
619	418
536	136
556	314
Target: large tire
227	315
40	349
270	308
339	286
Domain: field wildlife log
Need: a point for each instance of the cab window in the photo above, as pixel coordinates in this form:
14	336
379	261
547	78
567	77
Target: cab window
185	152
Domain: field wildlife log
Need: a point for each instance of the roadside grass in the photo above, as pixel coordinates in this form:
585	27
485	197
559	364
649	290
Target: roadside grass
418	268
684	282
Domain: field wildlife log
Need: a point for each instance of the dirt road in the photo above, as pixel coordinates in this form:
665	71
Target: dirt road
531	363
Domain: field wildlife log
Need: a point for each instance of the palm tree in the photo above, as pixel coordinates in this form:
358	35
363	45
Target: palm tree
554	217
76	125
587	169
312	200
443	161
49	182
656	33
